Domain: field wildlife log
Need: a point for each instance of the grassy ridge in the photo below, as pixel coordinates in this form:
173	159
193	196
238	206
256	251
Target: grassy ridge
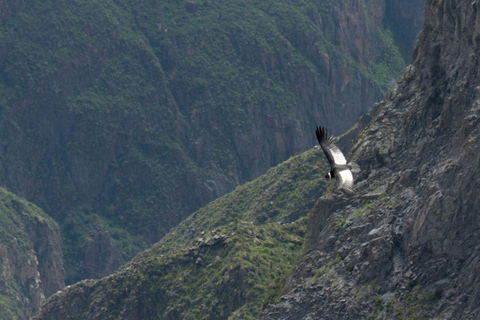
230	254
220	263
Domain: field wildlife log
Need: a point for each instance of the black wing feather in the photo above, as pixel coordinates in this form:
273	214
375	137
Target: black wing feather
324	139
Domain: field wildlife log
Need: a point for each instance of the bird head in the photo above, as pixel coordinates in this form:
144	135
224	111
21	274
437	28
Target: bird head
328	176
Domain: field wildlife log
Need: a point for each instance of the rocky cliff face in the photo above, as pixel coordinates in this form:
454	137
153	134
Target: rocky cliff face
30	257
406	245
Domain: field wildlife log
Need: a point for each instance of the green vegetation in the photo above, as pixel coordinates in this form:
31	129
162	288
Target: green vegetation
414	303
323	270
390	66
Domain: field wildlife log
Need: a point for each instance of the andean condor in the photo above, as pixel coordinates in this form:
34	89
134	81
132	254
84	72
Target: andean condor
340	169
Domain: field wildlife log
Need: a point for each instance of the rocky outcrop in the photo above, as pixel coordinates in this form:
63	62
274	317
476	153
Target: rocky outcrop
406	245
102	257
30	257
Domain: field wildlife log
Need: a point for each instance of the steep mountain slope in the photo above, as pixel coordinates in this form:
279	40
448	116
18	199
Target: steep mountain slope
120	118
220	263
406	245
30	257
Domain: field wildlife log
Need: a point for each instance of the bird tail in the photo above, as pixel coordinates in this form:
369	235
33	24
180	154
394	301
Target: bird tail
354	167
347	190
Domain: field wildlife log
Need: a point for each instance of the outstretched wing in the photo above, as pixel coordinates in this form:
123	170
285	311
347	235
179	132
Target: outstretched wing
344	181
333	153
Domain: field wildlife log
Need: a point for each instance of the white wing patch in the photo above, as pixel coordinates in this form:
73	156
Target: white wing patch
338	156
345	180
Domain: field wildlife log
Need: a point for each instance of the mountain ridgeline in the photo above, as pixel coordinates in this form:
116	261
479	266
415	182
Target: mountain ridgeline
121	118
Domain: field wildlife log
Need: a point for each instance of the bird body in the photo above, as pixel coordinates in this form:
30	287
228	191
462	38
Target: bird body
339	168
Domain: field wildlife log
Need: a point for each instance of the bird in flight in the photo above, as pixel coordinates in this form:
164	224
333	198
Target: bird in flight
340	169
